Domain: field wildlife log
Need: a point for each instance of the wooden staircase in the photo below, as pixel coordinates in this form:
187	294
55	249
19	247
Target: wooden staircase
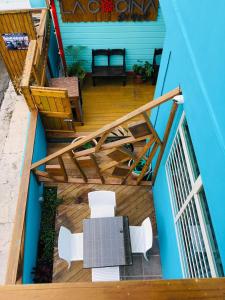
106	162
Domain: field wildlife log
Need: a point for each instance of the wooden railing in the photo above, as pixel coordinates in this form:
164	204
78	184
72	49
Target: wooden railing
158	289
34	71
113	171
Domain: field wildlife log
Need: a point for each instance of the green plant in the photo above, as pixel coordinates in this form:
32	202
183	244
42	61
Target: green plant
144	70
43	270
140	166
76	68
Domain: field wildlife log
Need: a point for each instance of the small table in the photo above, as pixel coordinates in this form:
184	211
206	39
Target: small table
106	242
74	93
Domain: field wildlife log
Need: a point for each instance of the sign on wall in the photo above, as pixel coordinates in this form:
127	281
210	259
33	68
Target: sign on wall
108	10
16	41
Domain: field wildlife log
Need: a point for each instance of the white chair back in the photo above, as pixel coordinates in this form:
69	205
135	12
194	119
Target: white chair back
70	246
102	204
101	198
147	234
141	237
64	241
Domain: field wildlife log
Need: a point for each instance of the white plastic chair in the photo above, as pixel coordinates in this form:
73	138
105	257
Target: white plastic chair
70	245
141	237
106	274
102	204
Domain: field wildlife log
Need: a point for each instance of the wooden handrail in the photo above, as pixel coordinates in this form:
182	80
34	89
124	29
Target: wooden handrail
109	127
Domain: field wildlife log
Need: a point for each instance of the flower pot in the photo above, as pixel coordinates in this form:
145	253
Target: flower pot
138	78
82	147
136	173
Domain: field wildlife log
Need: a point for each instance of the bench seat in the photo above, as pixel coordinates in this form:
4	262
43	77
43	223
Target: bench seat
110	71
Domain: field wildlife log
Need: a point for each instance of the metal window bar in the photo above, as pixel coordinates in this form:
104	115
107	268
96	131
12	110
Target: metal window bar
197	245
201	243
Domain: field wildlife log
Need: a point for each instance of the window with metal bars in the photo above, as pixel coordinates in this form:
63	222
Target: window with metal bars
196	239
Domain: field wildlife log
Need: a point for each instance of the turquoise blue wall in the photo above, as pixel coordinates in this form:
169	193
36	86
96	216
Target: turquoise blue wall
139	38
195	47
53	53
37	3
33	210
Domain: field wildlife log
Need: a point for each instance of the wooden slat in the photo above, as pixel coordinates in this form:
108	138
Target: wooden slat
101	141
150	126
21	205
49	92
109	180
61	163
133	166
25	81
148	161
75	161
97	168
185	289
165	138
105	166
166	97
121	142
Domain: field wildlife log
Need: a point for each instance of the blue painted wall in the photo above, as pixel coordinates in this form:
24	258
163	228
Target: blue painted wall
194	45
53	53
33	211
139	38
37	3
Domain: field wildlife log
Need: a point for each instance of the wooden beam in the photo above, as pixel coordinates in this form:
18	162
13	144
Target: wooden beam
133	166
115	144
28	66
108	165
97	168
165	138
110	126
150	126
101	141
61	163
78	180
185	289
21	204
76	163
148	161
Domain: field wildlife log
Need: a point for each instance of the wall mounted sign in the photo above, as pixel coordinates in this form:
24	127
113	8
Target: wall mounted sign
16	41
108	10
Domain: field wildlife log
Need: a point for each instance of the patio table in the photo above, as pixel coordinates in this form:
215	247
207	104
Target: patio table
106	242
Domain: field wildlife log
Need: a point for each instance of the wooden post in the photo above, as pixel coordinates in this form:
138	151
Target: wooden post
145	168
61	163
165	138
152	129
97	168
101	141
145	149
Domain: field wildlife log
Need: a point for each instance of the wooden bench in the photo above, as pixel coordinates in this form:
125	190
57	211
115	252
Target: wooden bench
108	70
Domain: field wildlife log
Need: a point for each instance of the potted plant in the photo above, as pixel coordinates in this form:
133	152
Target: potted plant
138	169
138	71
142	71
77	66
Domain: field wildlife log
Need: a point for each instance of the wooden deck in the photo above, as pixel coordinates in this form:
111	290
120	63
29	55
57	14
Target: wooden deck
134	202
110	100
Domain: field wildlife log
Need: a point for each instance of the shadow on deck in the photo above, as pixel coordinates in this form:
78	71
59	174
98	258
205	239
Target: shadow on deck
133	201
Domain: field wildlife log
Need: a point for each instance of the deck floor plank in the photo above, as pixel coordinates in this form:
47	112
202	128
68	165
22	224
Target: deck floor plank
109	100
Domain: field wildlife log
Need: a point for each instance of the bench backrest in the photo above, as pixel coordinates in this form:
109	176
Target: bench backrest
109	53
